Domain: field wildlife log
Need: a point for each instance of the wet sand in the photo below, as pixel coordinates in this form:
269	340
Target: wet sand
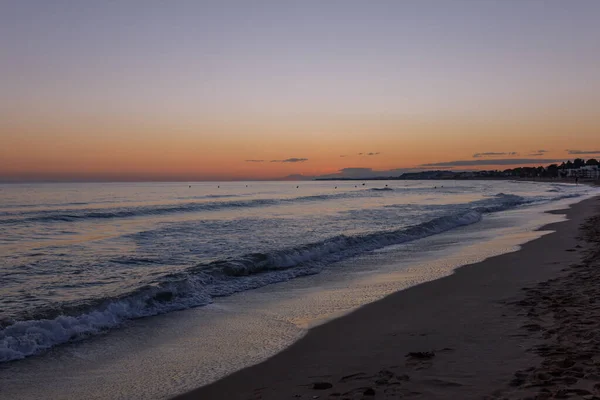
520	325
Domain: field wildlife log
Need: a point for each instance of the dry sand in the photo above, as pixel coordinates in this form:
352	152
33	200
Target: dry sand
520	325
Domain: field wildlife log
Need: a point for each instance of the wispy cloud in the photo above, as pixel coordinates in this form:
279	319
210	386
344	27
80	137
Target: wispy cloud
494	161
291	160
373	154
343	155
537	152
255	160
494	154
576	152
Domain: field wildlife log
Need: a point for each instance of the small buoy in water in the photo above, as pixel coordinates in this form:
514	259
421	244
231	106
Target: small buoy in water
297	187
336	187
190	185
218	187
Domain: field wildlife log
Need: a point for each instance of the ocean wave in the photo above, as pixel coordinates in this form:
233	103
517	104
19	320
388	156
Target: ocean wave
72	215
200	284
210	196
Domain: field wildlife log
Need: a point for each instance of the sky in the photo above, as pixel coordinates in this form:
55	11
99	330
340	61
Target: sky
225	90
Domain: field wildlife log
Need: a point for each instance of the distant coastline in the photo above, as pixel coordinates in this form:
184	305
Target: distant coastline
594	182
580	170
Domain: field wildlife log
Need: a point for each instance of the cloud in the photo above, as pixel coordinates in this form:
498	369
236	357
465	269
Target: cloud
583	151
537	152
291	160
497	161
295	160
493	154
254	160
373	153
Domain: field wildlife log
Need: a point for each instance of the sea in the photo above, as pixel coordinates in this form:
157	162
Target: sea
146	290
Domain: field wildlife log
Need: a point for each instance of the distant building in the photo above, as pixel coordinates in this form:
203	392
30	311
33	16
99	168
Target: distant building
586	172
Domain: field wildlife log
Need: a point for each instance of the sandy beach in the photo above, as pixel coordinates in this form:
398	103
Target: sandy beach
519	325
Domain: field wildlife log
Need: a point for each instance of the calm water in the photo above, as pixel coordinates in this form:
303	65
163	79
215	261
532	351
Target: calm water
79	259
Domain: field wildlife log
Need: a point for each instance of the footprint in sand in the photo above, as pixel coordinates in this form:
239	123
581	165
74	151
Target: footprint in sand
322	385
353	377
444	383
421	355
420	359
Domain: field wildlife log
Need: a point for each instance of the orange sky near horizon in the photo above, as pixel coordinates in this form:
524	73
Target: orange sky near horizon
114	91
219	151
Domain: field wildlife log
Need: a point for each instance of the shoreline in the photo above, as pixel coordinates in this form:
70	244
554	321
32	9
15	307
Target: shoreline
463	319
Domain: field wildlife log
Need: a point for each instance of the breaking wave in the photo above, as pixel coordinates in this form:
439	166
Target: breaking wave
200	284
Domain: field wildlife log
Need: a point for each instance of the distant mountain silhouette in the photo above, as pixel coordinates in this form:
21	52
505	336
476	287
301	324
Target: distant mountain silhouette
297	177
